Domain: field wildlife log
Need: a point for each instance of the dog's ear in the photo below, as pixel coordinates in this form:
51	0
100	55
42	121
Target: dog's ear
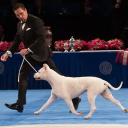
45	66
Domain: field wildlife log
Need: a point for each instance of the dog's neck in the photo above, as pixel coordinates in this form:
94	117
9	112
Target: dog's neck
53	76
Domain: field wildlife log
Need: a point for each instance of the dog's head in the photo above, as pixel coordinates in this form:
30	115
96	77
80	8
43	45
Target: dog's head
42	73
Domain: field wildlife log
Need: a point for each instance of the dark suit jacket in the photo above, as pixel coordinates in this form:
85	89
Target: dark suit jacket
33	36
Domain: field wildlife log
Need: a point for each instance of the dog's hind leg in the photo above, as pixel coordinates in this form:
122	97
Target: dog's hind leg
108	95
51	99
91	99
71	106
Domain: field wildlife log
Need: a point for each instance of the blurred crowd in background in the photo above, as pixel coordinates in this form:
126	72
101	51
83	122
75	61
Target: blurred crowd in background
83	19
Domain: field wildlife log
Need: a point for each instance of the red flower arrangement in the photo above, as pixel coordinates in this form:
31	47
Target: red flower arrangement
85	45
79	44
96	44
4	45
116	44
59	45
64	45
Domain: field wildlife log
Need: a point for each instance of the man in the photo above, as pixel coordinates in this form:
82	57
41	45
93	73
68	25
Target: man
31	31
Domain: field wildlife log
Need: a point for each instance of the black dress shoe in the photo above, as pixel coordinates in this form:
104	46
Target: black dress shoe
15	106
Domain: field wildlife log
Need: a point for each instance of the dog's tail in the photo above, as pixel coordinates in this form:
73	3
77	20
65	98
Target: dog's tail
113	88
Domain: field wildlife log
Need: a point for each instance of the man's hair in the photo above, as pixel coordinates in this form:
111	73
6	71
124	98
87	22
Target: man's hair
18	5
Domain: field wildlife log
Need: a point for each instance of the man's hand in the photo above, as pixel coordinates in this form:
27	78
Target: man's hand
4	57
24	52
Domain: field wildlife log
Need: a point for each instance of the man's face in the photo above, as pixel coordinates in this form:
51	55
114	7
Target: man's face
21	14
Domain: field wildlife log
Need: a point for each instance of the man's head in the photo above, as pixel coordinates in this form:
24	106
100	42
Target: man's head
20	11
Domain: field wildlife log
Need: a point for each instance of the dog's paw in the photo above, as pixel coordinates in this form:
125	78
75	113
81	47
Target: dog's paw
36	113
126	110
79	113
87	117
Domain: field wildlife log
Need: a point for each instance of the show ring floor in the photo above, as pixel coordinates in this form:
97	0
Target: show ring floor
58	116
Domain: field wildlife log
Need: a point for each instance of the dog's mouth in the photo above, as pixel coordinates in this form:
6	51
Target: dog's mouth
37	78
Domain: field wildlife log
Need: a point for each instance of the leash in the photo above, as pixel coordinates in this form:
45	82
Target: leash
24	59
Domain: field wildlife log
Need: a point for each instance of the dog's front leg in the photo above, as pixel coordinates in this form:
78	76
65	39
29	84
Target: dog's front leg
51	99
71	106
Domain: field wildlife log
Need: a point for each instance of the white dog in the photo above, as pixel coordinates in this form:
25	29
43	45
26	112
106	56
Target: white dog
68	88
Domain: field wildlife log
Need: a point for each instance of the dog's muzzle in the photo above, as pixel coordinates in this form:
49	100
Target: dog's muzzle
37	76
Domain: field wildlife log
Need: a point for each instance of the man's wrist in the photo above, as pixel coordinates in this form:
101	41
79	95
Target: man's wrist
9	53
29	50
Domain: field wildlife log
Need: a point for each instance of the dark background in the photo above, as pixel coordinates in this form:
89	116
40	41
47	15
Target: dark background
83	19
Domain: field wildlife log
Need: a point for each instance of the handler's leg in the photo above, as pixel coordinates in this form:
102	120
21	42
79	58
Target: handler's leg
76	102
22	87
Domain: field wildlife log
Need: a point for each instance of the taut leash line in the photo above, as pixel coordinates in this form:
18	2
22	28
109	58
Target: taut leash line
24	59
